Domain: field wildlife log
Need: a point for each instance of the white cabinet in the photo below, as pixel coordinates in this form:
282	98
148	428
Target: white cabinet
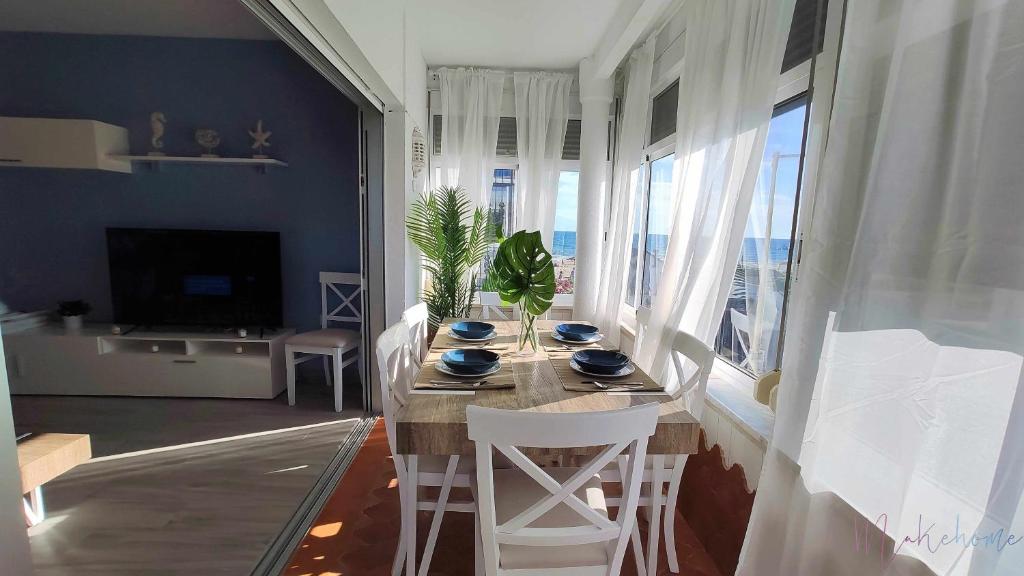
59	143
96	363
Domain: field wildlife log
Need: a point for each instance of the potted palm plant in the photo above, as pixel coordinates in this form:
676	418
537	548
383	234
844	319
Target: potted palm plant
452	237
525	276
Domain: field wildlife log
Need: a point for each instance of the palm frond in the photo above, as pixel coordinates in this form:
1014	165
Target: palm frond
452	238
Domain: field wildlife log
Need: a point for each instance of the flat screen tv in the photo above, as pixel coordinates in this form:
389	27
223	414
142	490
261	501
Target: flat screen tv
214	278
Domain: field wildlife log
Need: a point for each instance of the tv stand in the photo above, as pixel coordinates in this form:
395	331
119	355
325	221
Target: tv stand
94	362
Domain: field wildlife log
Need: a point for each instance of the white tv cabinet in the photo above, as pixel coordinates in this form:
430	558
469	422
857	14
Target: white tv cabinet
94	362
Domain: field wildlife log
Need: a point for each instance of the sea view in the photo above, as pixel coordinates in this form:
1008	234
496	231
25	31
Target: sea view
564	244
778	250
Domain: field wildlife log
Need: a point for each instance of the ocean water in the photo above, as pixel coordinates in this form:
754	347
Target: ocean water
564	244
778	248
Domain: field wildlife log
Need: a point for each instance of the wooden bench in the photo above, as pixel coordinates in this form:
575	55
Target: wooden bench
43	457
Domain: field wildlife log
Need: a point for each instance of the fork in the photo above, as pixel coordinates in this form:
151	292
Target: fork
608	385
454	383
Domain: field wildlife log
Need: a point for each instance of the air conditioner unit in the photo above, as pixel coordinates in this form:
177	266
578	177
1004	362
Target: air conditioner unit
59	143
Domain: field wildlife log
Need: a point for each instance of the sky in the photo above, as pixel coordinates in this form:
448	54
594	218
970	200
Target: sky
784	136
565	204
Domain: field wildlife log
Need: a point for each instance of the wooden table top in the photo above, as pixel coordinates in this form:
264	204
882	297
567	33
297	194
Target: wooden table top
43	457
435	424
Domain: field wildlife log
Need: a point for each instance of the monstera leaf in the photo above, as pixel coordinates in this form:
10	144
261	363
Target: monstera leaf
525	273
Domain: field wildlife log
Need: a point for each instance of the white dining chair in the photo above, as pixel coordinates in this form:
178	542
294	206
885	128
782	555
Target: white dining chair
536	521
741	335
331	344
692	360
416	319
491	306
397	374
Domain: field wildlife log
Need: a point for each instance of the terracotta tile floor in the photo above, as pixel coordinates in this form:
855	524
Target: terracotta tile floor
356	533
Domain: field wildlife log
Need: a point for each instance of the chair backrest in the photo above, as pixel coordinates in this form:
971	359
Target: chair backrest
622	430
491	306
692	375
416	319
394	360
347	289
643	317
740	333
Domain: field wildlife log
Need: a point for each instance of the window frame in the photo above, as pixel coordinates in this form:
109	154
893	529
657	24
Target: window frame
784	98
567	300
657	151
791	84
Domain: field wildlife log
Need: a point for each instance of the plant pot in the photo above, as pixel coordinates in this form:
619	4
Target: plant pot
73	323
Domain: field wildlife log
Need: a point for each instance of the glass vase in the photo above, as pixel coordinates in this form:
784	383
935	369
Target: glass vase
527	343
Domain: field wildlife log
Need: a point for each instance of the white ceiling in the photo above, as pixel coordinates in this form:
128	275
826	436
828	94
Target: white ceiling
547	34
176	18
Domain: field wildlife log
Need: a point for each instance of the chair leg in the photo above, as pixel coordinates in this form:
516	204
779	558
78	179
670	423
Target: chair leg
478	546
409	514
290	363
326	361
670	513
396	564
337	380
657	478
435	524
638	550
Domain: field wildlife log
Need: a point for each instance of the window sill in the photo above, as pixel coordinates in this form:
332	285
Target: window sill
731	393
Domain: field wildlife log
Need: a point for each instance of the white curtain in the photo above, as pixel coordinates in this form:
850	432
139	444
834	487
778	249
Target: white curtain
614	259
900	407
470	112
761	282
733	53
542	114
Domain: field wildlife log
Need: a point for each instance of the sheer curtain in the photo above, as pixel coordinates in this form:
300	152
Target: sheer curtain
762	286
542	114
900	409
470	112
733	53
604	310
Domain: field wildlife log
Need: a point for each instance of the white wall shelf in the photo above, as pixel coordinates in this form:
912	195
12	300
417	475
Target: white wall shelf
155	161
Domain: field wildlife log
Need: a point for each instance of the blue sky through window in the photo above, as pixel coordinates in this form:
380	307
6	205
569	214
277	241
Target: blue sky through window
565	203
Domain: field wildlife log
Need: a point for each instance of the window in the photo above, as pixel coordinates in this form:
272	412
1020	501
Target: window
500	214
664	110
563	248
500	210
751	328
652	222
652	189
659	222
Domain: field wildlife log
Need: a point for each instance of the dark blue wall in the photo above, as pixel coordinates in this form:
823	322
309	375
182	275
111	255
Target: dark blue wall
52	222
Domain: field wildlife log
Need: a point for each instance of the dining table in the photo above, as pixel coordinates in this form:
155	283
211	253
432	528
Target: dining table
432	420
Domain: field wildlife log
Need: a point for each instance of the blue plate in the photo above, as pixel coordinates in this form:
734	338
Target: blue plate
472	330
470	360
600	361
576	332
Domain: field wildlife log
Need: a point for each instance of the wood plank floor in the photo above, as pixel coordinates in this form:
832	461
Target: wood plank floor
179	486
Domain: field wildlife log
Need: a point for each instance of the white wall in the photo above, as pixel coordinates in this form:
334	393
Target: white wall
13	537
387	40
